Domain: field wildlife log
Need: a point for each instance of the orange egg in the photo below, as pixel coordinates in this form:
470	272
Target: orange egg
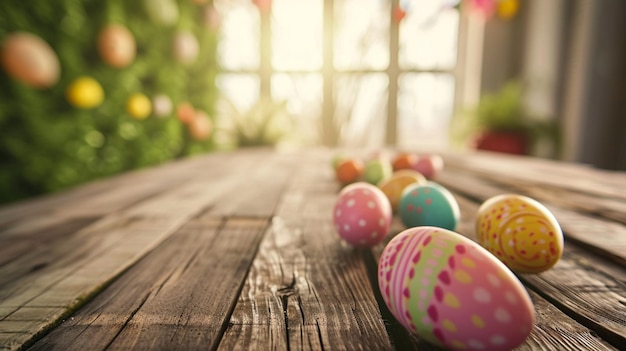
201	127
349	170
394	186
29	59
185	112
116	45
404	160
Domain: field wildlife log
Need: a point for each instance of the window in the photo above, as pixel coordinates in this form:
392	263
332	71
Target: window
353	71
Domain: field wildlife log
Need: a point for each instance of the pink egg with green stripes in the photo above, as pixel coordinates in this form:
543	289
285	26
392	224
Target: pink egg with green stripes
450	291
362	214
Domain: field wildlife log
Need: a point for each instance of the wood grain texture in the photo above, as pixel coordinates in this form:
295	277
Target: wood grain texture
603	236
66	272
543	172
177	297
591	296
306	289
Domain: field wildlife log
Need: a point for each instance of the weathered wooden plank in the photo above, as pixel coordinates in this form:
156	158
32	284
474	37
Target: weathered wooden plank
593	296
603	236
115	193
13	246
260	187
543	172
76	267
306	289
177	297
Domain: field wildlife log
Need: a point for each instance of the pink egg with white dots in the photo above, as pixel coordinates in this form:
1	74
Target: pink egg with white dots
450	291
362	214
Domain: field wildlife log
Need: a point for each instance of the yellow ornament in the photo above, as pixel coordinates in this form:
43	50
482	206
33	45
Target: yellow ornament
84	92
138	106
507	9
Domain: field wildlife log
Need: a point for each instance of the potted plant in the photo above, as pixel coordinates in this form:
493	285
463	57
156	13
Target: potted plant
265	123
501	123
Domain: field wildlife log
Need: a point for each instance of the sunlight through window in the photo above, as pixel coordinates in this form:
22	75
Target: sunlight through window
297	34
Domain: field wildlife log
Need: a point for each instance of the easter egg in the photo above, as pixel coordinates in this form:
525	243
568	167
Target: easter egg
29	59
428	204
185	112
404	160
161	105
185	47
201	127
521	232
376	170
337	158
138	106
428	165
362	214
162	12
84	92
349	170
394	186
448	290
116	45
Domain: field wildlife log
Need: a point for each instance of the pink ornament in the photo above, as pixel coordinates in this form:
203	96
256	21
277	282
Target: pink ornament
428	165
211	17
185	47
483	8
264	5
161	105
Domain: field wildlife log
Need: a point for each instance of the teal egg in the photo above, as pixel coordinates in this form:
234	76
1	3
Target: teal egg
428	204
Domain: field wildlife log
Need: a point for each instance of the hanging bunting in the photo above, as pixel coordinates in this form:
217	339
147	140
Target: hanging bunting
264	5
507	9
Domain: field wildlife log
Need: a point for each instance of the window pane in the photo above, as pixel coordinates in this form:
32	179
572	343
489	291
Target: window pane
361	34
239	93
425	103
303	93
428	36
297	28
361	109
242	90
239	35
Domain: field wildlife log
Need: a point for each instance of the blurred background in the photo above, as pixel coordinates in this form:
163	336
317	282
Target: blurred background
93	88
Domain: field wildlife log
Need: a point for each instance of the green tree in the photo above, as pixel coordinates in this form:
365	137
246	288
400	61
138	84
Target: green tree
47	144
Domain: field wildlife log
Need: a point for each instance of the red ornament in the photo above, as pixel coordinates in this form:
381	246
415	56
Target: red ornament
398	14
264	5
483	8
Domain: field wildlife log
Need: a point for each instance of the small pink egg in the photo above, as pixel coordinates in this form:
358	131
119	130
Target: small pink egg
362	214
450	291
428	165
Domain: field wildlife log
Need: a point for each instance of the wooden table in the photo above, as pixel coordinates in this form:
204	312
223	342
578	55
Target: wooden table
237	250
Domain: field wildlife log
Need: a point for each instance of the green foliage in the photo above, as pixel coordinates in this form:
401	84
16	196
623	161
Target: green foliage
502	110
265	123
47	144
